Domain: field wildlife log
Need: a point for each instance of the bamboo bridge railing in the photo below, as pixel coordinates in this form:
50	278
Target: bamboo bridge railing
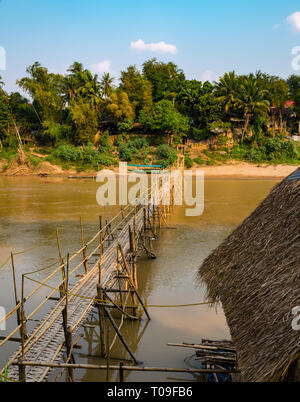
109	285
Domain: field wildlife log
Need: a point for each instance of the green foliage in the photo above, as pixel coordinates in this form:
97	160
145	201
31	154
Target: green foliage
136	149
166	155
118	107
57	132
46	90
104	142
199	103
200	134
138	89
125	126
85	121
164	118
188	161
4	116
86	157
166	79
268	150
199	160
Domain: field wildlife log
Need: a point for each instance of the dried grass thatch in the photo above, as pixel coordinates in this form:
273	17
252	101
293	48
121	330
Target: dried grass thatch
255	273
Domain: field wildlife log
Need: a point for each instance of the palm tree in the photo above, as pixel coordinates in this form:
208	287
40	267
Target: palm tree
227	89
91	88
106	84
251	99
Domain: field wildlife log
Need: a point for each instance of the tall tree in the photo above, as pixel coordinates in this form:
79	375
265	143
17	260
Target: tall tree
251	100
165	119
138	89
118	106
227	90
46	91
279	97
199	102
4	115
107	84
293	83
166	79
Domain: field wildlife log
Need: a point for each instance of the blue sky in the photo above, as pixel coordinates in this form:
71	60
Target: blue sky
205	38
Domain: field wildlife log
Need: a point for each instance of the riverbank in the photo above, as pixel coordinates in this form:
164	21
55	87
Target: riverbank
233	169
248	170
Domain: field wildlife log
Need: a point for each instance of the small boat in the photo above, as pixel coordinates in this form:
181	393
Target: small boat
145	168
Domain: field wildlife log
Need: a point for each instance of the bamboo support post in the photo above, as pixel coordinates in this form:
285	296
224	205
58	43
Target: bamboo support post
131	282
22	369
107	355
15	291
84	246
63	273
121	372
102	329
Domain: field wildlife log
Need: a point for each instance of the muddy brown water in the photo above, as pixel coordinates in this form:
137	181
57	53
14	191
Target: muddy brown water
32	208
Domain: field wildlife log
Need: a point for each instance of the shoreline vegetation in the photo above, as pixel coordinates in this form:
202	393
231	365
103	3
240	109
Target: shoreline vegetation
233	169
79	122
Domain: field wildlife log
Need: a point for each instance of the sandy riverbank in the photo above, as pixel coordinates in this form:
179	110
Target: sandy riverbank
248	170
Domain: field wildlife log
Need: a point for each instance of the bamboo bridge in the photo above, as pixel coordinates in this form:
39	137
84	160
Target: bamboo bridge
109	283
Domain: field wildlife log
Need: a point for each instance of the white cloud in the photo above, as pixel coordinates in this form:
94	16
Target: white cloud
101	67
209	75
294	20
161	47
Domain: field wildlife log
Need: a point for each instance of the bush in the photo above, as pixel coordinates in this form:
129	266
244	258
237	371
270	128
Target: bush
135	149
82	157
188	161
167	155
199	160
104	142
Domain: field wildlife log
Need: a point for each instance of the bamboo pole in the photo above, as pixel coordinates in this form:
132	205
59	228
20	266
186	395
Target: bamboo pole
101	317
22	369
63	273
84	246
107	355
15	291
131	282
119	334
121	371
125	368
70	372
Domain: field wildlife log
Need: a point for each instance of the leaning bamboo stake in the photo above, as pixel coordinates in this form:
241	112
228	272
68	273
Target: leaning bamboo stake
84	246
69	358
119	334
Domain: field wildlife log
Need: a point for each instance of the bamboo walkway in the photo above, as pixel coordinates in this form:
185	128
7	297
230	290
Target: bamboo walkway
109	284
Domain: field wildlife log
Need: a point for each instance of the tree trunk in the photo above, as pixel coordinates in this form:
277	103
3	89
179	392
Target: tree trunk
246	126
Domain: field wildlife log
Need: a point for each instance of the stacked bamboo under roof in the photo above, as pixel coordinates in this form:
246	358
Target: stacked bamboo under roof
255	274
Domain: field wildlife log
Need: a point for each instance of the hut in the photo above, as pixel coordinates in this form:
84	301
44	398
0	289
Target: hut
255	274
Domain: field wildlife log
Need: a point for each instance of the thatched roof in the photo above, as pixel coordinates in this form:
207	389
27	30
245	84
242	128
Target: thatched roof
255	273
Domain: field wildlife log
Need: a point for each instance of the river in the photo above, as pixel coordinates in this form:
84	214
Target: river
31	209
